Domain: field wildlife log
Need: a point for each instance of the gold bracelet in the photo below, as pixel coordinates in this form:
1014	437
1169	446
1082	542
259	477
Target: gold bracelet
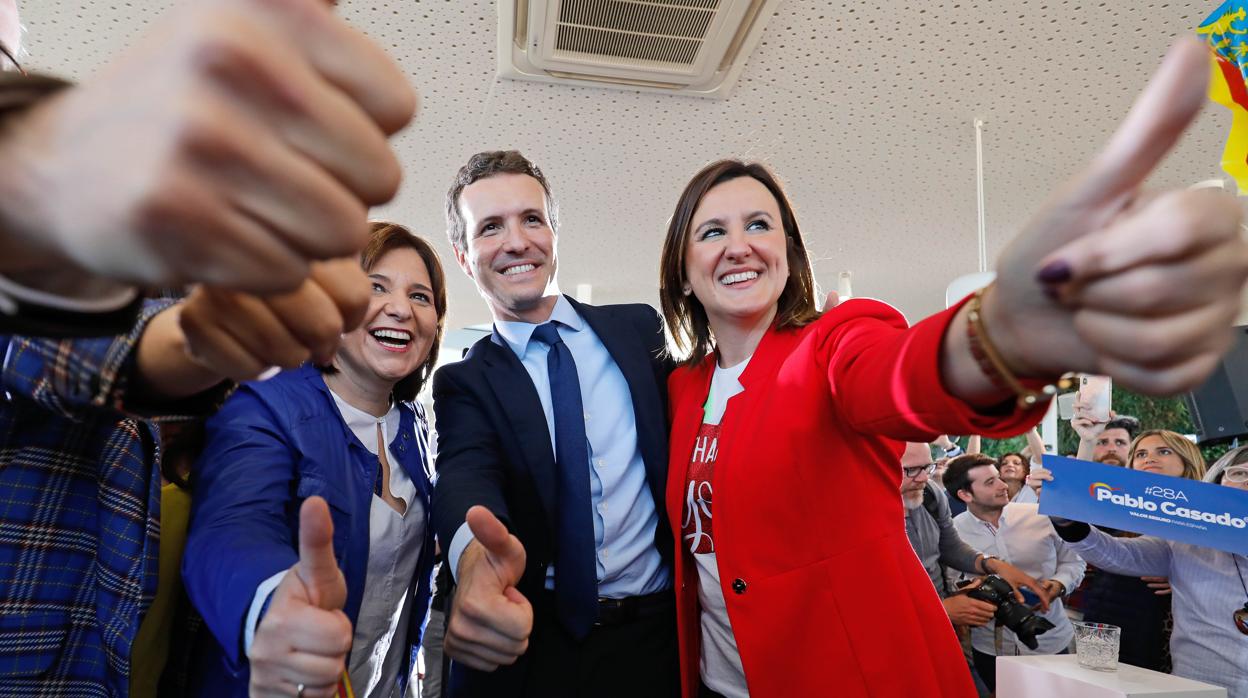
993	366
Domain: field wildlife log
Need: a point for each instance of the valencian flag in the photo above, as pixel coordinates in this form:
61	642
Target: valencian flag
1226	31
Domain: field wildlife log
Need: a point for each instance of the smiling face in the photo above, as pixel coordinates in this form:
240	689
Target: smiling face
736	259
987	490
1012	469
510	246
399	329
1153	455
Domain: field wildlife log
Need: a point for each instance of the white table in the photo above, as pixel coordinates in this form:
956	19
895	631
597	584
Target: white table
1047	676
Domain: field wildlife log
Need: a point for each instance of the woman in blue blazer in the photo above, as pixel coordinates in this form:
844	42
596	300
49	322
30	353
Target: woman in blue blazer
353	434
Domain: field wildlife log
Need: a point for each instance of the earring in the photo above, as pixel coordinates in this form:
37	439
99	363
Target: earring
687	289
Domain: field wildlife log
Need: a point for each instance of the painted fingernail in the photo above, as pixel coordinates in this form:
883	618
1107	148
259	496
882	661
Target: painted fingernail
1055	272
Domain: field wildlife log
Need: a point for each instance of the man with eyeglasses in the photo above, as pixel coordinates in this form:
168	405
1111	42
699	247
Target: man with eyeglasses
929	525
937	543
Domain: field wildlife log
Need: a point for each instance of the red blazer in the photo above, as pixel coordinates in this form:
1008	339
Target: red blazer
824	593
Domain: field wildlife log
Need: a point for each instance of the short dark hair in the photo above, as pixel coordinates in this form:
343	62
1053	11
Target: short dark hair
957	473
481	166
383	238
686	318
1130	424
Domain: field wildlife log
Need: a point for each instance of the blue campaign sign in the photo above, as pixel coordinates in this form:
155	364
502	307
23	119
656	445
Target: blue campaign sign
1187	511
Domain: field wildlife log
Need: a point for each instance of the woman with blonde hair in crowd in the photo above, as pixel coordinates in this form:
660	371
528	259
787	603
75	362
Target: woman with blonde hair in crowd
1167	453
1139	603
1209	588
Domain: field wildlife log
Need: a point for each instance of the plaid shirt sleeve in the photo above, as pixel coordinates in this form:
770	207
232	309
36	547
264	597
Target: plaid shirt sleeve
79	508
70	376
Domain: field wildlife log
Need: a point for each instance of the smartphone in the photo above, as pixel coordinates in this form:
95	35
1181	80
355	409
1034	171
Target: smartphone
1066	406
1094	395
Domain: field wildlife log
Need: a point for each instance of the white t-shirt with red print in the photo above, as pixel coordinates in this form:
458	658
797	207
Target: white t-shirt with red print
720	662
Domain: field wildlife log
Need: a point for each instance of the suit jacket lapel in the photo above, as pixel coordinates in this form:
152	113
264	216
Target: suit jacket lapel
630	354
523	408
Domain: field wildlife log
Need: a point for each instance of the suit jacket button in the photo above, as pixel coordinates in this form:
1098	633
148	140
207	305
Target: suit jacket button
739	585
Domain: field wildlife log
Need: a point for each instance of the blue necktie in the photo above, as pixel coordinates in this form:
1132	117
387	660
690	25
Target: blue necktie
576	570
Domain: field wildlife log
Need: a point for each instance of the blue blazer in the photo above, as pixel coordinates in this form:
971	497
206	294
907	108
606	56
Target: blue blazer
273	444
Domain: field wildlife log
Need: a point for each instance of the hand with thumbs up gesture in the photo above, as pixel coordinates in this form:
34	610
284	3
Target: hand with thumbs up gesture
490	619
1111	279
304	637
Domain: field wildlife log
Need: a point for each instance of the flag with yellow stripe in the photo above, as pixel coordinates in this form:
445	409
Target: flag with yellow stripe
1226	32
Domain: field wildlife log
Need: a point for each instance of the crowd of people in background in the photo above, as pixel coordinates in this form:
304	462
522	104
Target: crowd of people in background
229	487
1169	599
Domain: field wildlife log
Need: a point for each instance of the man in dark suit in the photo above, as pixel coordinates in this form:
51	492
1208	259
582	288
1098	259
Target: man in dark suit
552	462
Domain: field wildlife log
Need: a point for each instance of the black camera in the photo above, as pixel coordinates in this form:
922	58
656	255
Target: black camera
1021	620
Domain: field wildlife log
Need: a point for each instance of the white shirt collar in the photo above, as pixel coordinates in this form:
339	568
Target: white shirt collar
1001	522
517	334
364	425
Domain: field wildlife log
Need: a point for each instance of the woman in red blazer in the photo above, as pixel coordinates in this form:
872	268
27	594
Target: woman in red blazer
808	540
788	423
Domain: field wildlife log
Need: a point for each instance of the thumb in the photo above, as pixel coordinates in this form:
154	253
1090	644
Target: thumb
317	568
1159	116
503	549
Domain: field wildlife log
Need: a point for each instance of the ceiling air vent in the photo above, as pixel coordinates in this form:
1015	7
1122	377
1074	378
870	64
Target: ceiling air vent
692	47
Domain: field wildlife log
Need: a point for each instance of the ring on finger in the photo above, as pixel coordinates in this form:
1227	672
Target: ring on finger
299	690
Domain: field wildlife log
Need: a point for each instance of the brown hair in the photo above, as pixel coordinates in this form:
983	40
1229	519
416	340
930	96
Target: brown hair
1194	465
1025	460
957	474
385	237
484	165
686	317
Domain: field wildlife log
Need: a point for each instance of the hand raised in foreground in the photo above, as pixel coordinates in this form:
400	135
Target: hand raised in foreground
1112	280
240	335
490	619
233	144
